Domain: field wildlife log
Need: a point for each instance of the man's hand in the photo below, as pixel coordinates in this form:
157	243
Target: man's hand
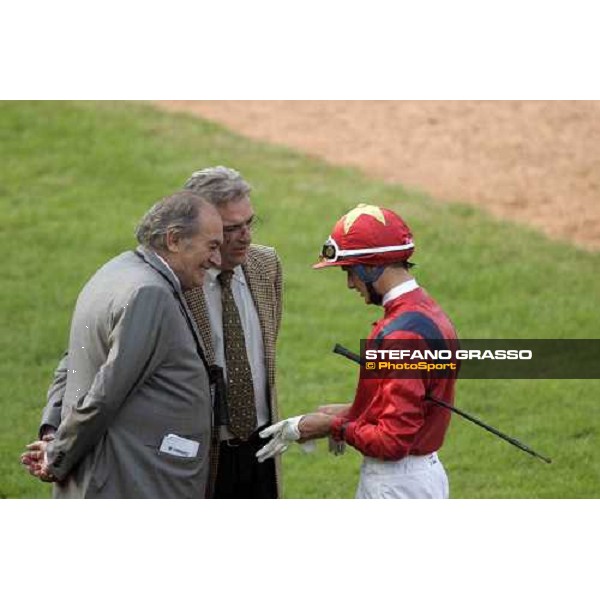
283	433
336	410
34	459
315	425
296	429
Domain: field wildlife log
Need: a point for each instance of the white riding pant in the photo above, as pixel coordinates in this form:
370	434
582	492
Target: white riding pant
410	477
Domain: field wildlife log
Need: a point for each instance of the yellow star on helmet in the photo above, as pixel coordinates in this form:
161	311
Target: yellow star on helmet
362	209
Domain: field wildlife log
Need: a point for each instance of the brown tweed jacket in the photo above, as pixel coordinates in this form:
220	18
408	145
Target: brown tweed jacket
263	274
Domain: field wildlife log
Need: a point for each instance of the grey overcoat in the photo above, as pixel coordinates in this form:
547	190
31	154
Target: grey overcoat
134	375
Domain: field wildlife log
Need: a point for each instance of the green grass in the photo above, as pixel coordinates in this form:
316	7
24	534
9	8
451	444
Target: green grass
76	177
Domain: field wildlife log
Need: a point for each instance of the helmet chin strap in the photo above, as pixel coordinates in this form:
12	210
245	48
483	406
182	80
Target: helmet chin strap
369	277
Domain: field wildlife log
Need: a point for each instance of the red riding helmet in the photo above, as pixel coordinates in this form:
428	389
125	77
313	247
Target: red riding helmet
367	235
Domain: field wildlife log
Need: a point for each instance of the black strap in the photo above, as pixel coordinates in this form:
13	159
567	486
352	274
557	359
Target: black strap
214	371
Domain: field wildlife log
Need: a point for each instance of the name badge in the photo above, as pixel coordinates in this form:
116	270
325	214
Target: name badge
179	446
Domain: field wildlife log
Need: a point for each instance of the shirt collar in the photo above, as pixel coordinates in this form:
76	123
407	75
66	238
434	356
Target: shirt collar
399	290
164	262
238	275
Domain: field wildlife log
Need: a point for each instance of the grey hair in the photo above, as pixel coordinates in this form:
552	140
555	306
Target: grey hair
219	185
178	212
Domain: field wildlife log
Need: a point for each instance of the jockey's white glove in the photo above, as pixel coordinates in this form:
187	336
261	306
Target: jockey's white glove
283	434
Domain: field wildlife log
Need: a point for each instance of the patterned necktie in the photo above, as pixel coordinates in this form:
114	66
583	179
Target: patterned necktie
240	390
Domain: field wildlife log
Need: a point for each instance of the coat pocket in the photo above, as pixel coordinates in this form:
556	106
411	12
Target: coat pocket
176	455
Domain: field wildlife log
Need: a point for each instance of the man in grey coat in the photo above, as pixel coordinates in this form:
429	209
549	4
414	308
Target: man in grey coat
136	414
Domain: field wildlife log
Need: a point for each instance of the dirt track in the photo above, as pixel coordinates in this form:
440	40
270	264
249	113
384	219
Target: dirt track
532	162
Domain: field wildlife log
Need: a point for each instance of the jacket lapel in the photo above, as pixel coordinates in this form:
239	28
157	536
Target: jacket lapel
259	289
197	305
156	263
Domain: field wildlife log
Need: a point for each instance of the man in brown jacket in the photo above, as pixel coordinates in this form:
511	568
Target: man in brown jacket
249	283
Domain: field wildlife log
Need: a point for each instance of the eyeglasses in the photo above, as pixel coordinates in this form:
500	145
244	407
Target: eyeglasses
331	251
250	225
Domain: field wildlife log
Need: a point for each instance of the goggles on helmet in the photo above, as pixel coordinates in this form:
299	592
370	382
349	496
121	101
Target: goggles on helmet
331	252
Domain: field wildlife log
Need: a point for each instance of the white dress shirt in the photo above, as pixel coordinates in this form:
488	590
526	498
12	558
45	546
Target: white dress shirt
252	335
164	262
398	290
